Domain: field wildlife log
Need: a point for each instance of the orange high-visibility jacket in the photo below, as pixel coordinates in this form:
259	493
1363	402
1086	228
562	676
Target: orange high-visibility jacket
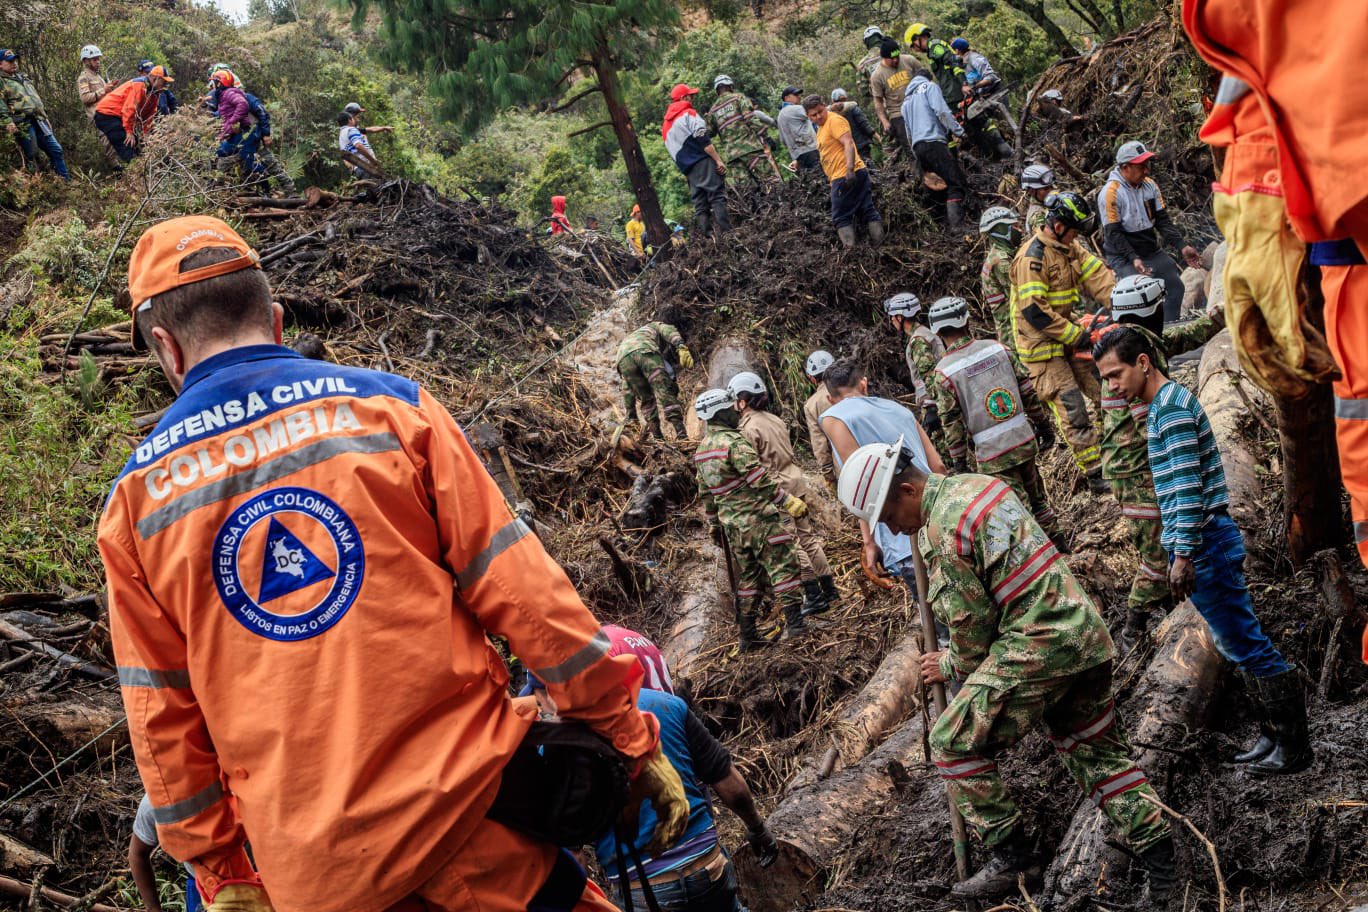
303	561
1298	59
130	102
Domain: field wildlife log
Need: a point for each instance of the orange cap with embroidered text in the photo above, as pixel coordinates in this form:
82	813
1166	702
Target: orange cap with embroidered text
155	266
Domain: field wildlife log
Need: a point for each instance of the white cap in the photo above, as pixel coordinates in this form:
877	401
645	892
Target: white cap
1136	296
710	402
818	362
947	312
867	477
903	304
838	94
746	382
91	50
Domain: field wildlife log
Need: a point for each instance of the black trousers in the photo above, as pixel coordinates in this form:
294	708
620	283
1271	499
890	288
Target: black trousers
113	129
935	156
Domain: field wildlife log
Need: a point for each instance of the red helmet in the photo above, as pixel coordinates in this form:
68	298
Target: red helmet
223	78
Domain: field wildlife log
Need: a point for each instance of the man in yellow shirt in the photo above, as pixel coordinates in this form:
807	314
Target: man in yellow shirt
635	228
852	197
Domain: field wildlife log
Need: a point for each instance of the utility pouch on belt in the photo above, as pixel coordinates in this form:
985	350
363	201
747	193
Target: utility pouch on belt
564	785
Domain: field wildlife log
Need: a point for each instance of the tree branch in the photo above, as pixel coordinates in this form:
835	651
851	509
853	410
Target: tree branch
590	129
565	104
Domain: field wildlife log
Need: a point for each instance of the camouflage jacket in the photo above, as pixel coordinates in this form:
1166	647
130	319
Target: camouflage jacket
1035	215
660	338
1125	448
737	124
735	488
1014	608
995	283
924	349
19	99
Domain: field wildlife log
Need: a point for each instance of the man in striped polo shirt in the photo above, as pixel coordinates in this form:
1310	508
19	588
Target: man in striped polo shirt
1205	547
1028	646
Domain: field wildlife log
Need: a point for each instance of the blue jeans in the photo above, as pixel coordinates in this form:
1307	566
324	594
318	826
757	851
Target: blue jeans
1222	598
695	893
852	200
192	897
248	150
36	137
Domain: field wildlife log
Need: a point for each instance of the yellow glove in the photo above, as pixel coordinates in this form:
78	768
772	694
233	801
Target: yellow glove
240	896
685	356
794	506
1278	347
658	783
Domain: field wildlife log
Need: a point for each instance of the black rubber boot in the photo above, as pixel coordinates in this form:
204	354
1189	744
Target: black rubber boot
1266	741
1096	483
999	874
954	215
814	600
1282	699
829	590
677	423
1002	150
1161	872
703	224
751	639
1134	631
847	235
876	233
793	620
721	220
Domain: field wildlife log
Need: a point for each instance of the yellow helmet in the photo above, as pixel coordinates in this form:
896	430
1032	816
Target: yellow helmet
915	31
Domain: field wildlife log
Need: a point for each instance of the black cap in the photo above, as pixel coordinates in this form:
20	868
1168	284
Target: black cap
888	48
791	90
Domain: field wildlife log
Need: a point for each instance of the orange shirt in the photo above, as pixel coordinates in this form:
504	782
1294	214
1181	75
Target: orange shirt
830	148
303	562
130	102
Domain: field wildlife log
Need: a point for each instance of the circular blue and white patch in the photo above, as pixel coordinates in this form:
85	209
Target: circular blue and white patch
288	564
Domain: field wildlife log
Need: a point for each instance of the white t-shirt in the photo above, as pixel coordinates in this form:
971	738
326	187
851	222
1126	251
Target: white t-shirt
145	827
349	139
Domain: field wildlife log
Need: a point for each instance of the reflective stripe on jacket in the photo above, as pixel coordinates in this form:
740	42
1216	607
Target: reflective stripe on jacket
1047	280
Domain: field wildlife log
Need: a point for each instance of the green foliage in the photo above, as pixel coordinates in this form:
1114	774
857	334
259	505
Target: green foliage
59	253
1018	50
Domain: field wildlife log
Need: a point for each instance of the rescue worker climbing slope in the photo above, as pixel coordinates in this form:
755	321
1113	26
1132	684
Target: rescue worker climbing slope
305	562
1001	231
742	504
739	127
645	362
952	78
1137	301
1028	647
1049	274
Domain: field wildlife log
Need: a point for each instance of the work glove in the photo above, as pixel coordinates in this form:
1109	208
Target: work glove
239	896
1277	346
656	781
763	844
685	356
794	506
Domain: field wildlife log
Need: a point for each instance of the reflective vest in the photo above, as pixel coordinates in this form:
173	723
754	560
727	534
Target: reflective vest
986	387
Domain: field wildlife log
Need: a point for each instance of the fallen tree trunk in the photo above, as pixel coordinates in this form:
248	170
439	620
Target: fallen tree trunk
77	665
729	358
707	591
19	890
885	702
1181	683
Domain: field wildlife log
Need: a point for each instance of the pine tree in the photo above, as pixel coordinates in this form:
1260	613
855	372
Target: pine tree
483	56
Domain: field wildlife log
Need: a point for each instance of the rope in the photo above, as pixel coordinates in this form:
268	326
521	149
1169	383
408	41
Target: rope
61	763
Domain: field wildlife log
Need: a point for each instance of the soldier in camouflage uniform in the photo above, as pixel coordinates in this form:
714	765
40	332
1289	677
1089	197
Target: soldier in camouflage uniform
1029	648
1038	182
644	361
734	120
1138	302
983	407
743	504
924	349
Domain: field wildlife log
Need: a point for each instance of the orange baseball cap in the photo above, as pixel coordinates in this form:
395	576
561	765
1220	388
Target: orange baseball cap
154	267
160	71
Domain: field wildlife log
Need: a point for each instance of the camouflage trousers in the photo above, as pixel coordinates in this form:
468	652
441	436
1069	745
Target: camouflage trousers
1026	484
269	167
1083	726
1066	386
765	551
1135	493
647	379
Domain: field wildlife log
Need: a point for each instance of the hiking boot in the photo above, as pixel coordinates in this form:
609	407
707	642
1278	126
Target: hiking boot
814	600
1161	872
1281	695
1096	483
876	232
793	620
847	235
1266	741
954	215
829	590
999	874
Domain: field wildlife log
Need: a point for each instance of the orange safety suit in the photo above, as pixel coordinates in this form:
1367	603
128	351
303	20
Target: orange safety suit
303	562
132	103
1295	127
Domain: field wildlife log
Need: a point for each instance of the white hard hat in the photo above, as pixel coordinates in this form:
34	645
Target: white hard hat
995	216
1136	296
947	312
90	51
818	362
710	402
872	31
1037	177
722	80
746	382
903	304
1052	95
838	94
867	477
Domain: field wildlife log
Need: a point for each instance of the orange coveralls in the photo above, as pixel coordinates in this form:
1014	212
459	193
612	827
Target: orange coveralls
132	103
1295	122
303	562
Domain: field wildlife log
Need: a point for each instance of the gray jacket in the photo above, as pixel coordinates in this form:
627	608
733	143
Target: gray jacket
796	131
927	116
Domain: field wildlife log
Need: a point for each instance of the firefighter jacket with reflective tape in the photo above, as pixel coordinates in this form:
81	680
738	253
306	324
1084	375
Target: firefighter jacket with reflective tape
304	561
980	406
1048	278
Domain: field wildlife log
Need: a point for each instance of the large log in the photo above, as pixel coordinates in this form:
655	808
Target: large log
729	358
21	891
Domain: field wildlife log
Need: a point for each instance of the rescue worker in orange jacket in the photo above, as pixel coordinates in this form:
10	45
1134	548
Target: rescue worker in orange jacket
1291	176
125	113
304	563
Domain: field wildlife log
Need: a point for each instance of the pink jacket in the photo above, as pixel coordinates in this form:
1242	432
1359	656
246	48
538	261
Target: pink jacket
233	108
